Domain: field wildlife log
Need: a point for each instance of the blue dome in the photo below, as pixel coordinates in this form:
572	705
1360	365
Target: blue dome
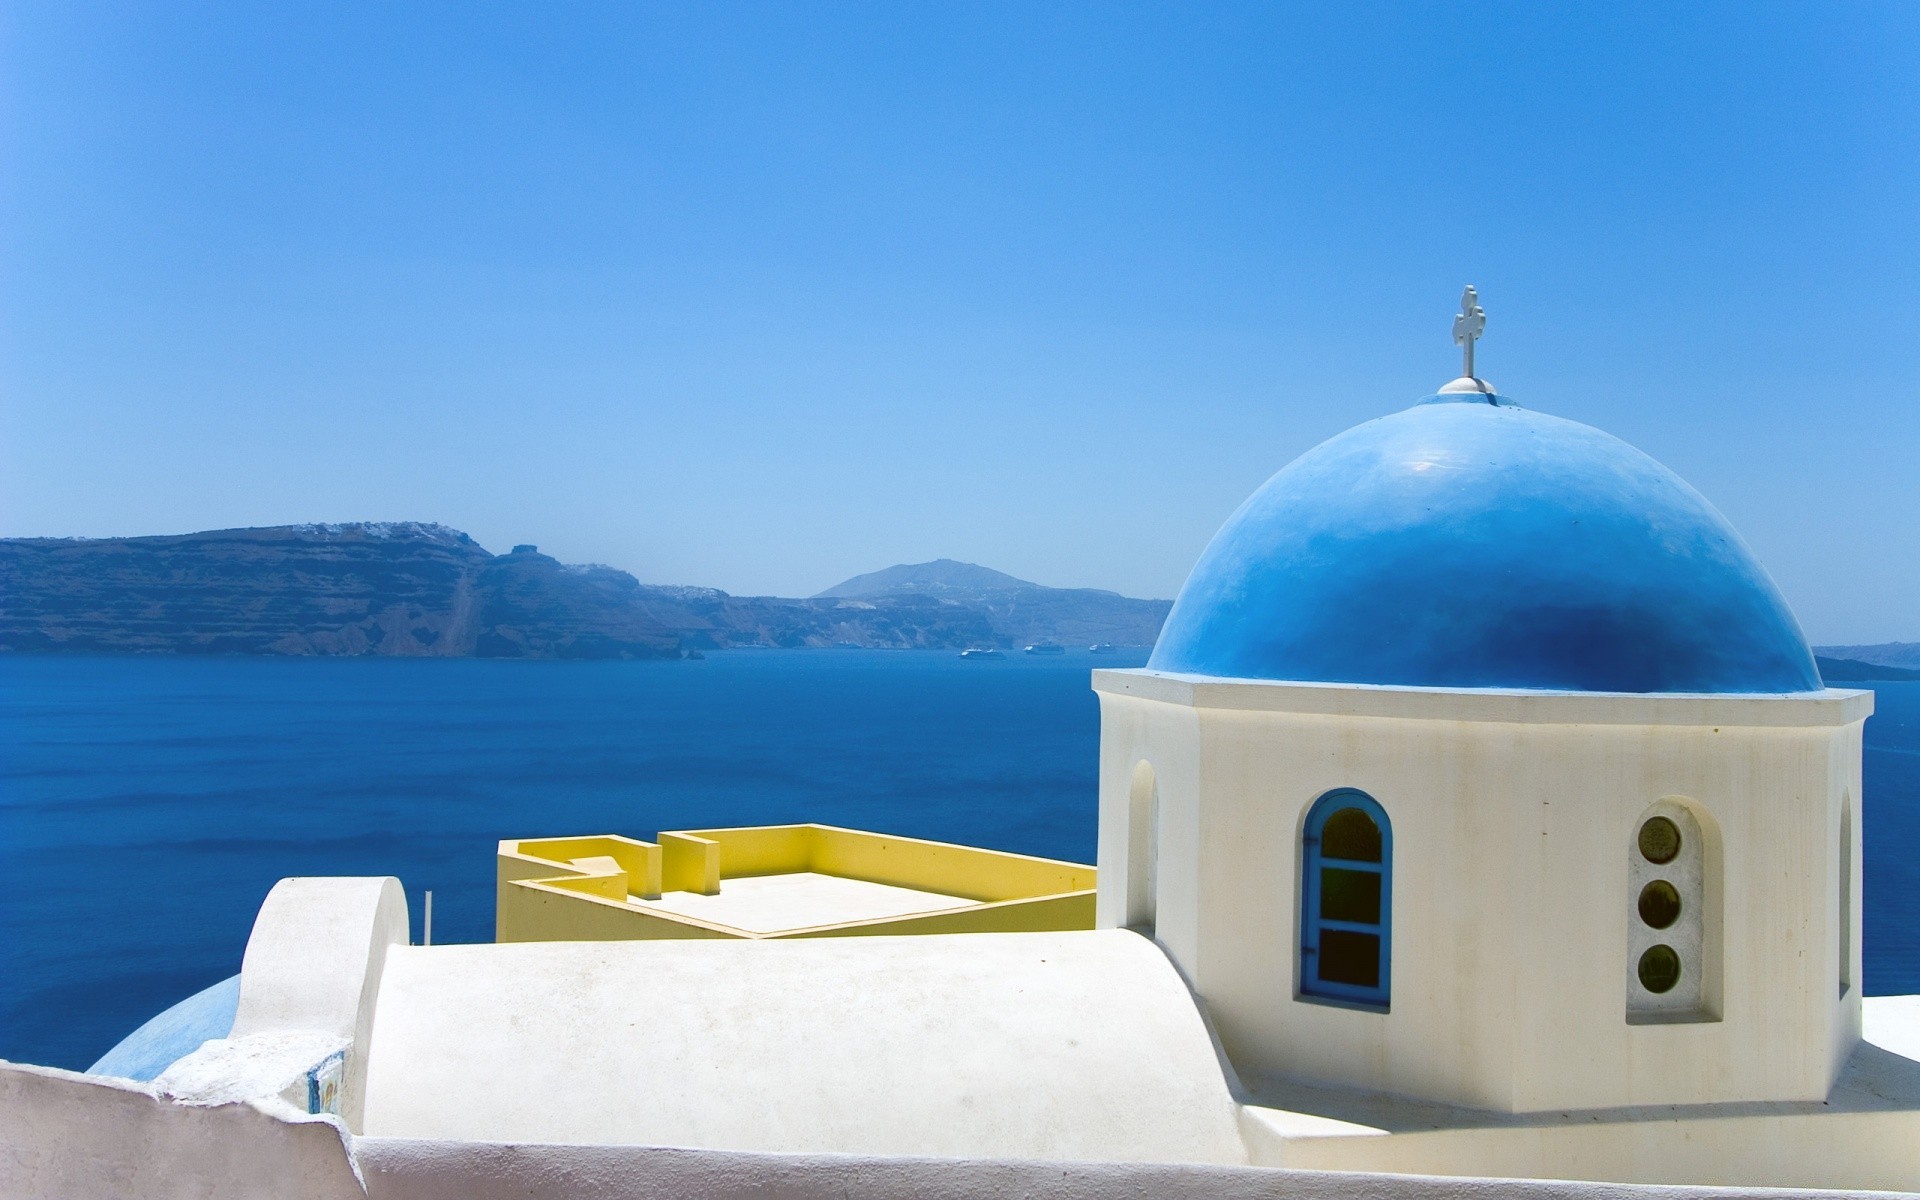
1469	543
170	1036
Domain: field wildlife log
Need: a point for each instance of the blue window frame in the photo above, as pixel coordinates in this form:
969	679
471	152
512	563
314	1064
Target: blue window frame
1346	901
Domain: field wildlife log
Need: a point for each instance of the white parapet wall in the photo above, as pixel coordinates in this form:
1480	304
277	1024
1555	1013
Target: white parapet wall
309	988
80	1137
67	1136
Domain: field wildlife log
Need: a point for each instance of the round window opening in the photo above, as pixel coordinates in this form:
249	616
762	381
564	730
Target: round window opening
1659	969
1659	904
1659	840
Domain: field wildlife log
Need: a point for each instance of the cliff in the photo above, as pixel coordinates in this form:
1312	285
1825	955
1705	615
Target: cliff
413	589
1904	655
1853	670
402	589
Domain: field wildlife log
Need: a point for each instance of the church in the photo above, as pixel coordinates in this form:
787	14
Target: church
1480	817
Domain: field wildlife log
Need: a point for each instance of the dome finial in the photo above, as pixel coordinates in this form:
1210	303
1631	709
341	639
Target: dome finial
1468	324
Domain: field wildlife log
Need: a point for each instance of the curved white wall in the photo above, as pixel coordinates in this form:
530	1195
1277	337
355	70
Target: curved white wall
1075	1045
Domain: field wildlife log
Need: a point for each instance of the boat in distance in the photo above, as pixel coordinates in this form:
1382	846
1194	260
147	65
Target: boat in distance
1101	648
981	652
1046	648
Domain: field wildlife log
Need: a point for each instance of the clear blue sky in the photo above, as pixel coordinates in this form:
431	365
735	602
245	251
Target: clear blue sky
761	296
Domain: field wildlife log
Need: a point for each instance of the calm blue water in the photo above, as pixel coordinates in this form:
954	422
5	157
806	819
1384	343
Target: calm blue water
147	804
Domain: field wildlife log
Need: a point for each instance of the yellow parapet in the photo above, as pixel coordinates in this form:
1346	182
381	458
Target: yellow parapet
773	881
692	864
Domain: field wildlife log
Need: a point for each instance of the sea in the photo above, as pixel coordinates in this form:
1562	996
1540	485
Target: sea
147	804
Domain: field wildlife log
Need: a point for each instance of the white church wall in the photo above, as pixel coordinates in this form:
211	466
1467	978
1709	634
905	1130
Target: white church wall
1122	888
1512	814
1445	1034
1143	843
1845	891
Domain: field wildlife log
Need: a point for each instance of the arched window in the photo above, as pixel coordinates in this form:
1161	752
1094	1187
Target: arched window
1346	902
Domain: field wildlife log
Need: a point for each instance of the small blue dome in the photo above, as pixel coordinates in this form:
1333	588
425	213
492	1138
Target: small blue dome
173	1034
1470	543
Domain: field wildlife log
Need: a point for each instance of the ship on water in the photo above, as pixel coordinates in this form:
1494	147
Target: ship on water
1046	648
981	652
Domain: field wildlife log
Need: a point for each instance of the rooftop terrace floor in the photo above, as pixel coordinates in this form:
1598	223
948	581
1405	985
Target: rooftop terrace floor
800	900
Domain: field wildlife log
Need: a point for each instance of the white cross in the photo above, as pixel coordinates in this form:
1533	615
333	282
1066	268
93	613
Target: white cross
1468	324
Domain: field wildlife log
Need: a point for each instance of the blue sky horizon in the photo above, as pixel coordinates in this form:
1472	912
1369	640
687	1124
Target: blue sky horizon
762	296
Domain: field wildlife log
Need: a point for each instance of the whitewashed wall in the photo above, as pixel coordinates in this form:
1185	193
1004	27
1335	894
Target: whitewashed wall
1513	815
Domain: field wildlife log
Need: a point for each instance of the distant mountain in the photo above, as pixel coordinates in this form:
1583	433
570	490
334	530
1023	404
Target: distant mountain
942	576
1018	611
1885	654
1852	670
422	590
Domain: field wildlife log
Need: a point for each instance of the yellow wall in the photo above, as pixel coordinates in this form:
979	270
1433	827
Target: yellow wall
575	889
537	858
543	911
760	849
952	870
557	858
987	875
690	864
